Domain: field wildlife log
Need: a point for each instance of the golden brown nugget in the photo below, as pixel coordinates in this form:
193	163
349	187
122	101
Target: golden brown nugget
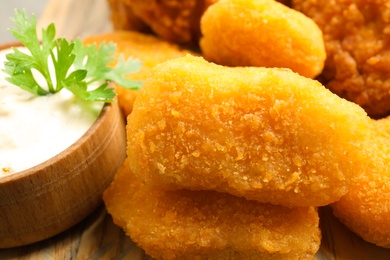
266	134
149	49
366	208
209	225
262	33
356	34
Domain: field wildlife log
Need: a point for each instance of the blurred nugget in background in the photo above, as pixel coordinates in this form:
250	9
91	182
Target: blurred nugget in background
357	42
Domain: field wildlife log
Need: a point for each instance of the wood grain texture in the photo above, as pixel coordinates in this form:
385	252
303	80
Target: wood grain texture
97	237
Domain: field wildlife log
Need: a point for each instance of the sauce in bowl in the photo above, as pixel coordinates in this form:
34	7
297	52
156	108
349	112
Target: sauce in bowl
33	128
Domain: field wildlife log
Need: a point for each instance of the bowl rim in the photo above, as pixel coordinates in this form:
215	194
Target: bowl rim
64	153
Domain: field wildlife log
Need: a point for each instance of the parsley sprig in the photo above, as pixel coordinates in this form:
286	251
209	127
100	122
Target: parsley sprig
76	66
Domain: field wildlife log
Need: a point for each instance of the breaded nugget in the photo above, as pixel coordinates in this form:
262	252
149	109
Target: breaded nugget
357	41
123	17
188	224
262	33
366	208
149	49
266	134
174	20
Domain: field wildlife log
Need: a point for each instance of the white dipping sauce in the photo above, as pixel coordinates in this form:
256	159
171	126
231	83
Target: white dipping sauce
33	128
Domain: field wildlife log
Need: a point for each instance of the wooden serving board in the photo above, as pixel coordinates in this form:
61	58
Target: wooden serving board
97	237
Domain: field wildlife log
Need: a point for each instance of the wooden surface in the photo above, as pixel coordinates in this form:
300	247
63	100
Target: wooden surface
97	237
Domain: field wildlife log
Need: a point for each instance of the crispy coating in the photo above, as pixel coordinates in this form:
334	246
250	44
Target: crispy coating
174	20
366	208
266	134
357	40
382	127
262	33
123	17
149	49
209	225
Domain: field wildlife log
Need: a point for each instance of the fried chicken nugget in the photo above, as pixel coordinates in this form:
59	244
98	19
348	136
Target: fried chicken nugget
357	41
366	208
189	224
262	33
123	17
266	134
174	20
149	49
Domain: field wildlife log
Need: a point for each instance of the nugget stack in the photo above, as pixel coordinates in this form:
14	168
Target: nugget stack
230	161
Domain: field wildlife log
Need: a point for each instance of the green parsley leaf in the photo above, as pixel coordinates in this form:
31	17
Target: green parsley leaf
124	67
76	66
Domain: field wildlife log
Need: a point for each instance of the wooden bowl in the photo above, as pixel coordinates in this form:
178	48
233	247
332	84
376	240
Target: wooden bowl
49	198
